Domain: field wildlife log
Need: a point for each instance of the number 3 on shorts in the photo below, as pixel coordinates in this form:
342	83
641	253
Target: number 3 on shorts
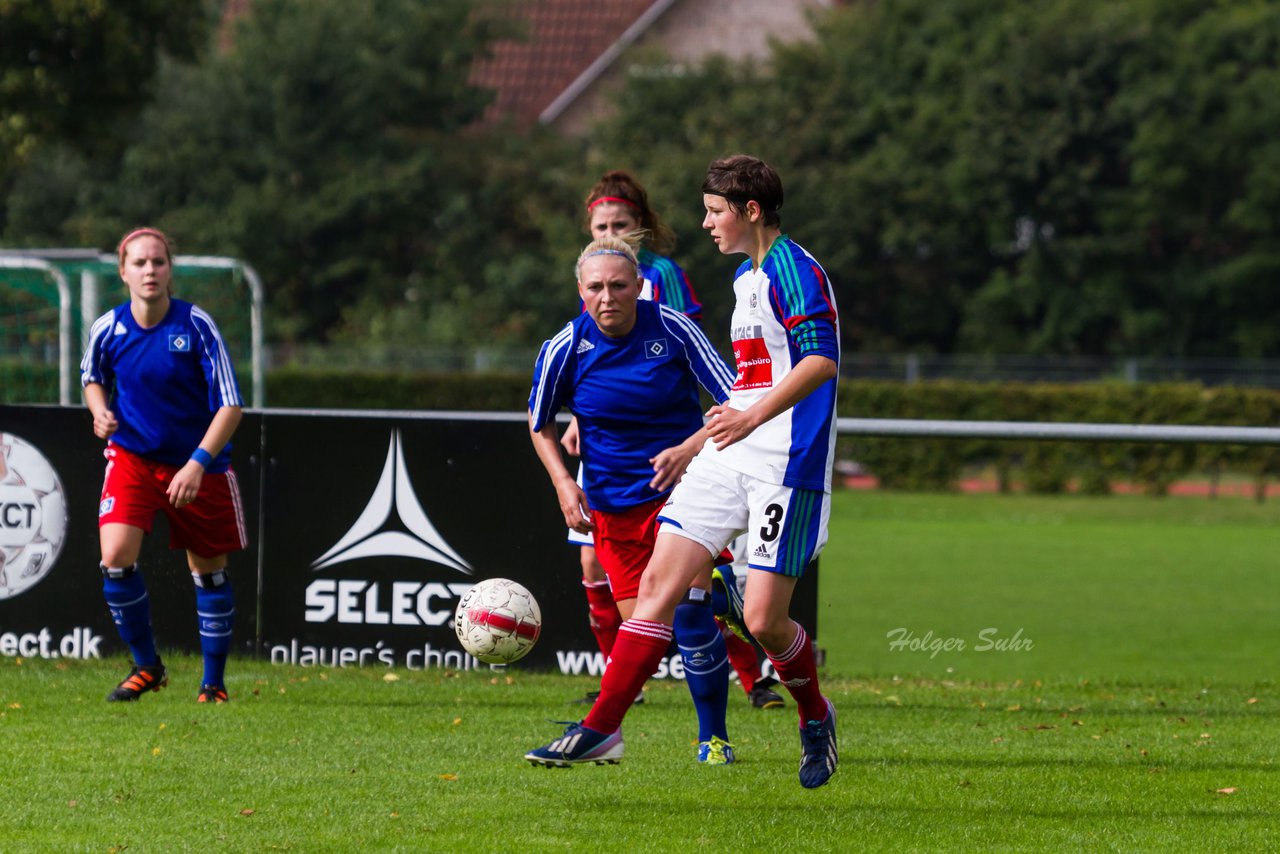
788	527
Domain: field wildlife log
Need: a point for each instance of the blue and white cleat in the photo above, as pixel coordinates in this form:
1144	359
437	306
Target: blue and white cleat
717	751
818	750
577	746
726	601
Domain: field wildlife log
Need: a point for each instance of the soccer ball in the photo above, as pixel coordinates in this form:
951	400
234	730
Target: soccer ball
498	621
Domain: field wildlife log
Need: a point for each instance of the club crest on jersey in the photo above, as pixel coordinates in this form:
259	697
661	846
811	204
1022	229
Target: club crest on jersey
179	343
655	348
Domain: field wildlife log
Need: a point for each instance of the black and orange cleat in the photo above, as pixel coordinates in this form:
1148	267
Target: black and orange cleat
212	694
141	679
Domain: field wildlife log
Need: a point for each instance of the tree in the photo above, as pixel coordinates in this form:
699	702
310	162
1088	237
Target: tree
323	145
73	73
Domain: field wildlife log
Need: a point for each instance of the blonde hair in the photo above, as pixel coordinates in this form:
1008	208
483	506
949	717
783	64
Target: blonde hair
622	246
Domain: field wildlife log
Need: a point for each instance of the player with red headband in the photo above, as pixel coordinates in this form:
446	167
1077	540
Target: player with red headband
163	393
618	205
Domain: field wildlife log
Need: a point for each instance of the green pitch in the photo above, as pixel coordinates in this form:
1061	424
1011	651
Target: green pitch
1142	715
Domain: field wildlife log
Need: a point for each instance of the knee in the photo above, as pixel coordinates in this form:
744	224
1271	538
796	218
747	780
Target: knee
119	557
772	631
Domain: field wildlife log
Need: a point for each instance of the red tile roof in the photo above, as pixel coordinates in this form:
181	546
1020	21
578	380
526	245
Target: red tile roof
564	38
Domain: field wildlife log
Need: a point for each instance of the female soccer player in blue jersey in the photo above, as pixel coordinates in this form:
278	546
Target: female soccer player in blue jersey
766	471
162	391
629	370
618	205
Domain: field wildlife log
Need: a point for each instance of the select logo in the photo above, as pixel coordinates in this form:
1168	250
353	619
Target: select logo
374	533
33	516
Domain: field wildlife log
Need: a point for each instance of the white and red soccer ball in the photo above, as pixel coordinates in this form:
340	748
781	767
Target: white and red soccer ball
498	621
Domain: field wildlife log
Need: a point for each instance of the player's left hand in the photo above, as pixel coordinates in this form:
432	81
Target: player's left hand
726	425
669	465
185	485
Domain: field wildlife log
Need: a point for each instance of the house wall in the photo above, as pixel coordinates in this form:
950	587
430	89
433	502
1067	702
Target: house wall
689	32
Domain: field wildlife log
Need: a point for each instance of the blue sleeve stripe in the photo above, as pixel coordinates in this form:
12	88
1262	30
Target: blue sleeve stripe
224	375
551	361
714	370
90	367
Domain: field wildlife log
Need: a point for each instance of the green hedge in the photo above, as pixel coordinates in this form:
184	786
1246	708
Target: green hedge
334	389
26	383
1045	466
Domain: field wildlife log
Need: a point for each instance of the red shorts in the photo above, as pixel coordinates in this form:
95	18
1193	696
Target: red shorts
134	489
624	544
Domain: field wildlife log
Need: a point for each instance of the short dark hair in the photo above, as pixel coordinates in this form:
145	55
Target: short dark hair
741	178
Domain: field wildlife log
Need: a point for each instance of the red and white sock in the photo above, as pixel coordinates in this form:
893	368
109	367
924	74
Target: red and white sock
636	653
797	670
742	655
604	615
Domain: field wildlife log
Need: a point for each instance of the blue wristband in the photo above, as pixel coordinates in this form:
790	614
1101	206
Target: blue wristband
202	456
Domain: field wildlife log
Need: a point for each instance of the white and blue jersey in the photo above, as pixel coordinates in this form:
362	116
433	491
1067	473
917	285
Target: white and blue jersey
165	383
633	396
784	310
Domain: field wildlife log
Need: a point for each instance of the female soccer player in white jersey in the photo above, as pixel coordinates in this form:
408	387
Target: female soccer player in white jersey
618	205
629	370
765	470
162	391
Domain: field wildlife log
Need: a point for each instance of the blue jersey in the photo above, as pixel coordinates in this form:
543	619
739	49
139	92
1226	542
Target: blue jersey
165	383
665	283
633	396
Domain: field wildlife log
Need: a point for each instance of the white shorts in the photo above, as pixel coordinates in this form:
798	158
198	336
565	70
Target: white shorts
786	528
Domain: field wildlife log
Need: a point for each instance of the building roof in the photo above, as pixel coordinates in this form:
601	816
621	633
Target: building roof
565	38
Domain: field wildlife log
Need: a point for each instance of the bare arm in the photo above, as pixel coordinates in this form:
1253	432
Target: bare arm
573	501
728	425
186	483
104	420
569	441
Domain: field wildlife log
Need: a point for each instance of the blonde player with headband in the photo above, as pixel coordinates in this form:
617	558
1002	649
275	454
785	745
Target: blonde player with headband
163	393
629	370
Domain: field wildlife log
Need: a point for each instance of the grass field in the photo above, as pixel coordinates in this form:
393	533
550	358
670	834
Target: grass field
1144	715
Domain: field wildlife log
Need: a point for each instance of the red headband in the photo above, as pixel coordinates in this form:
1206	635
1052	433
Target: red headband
140	232
616	200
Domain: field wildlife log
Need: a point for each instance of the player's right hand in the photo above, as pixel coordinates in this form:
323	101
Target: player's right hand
105	424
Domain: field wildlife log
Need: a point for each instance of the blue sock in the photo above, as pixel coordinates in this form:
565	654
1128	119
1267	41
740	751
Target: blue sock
126	596
706	664
216	610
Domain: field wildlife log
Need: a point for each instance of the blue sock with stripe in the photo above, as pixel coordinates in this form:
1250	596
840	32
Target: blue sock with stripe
126	596
706	663
216	610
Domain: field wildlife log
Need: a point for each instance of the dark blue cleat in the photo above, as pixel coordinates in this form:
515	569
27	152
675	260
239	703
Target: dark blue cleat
579	745
818	750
